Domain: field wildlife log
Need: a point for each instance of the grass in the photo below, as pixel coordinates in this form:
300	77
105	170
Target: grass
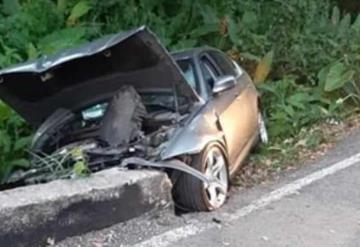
267	162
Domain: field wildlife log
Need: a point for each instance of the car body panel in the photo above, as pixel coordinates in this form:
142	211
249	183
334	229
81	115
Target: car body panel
228	108
201	128
80	76
229	118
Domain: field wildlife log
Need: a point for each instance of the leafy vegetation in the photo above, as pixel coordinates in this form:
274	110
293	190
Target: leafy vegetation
303	54
14	138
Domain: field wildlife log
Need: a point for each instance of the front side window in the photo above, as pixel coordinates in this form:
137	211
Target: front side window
188	70
209	73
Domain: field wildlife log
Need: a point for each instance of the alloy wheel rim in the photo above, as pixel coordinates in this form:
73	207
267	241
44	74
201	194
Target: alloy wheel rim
216	171
262	129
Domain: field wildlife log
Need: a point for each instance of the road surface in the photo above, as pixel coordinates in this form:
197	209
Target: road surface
318	205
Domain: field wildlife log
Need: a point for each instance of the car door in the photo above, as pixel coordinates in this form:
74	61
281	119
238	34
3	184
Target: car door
235	107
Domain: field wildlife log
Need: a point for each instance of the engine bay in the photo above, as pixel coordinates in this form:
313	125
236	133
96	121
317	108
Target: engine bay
101	135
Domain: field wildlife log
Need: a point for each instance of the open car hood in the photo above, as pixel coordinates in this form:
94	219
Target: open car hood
90	73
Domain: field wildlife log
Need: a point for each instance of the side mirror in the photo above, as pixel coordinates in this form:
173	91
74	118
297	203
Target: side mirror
223	83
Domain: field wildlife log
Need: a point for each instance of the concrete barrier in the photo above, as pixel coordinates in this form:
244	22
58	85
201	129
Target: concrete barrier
33	215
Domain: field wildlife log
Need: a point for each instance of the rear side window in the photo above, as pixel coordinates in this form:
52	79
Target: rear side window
223	62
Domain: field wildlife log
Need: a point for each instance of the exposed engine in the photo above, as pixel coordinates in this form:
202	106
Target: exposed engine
99	136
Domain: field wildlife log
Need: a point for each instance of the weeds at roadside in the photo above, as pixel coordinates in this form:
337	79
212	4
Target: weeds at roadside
268	162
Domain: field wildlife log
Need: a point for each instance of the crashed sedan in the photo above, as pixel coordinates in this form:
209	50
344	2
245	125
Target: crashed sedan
123	100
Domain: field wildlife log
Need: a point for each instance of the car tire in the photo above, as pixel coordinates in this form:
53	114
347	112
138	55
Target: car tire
191	194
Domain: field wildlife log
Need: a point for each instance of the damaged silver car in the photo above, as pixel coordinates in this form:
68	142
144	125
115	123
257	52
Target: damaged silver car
123	100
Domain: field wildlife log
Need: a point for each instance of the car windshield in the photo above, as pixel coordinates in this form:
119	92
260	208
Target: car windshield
95	111
150	99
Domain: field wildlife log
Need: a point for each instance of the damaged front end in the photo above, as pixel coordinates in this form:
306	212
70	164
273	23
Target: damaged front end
127	131
100	105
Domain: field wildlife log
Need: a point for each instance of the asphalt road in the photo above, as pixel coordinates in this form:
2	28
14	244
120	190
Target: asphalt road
318	205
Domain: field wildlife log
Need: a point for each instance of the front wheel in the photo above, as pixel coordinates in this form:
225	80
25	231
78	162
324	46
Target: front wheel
190	193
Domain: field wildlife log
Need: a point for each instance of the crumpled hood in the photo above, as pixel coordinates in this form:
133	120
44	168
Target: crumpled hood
84	75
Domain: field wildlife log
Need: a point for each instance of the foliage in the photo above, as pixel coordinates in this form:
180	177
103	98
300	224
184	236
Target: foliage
263	68
304	54
14	138
292	106
59	165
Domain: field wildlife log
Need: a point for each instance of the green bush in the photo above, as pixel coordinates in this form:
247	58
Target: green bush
14	138
291	106
306	51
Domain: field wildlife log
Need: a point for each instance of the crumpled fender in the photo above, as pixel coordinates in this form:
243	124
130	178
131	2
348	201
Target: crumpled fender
194	135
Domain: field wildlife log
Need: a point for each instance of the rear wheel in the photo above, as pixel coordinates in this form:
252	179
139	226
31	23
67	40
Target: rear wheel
263	134
191	194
